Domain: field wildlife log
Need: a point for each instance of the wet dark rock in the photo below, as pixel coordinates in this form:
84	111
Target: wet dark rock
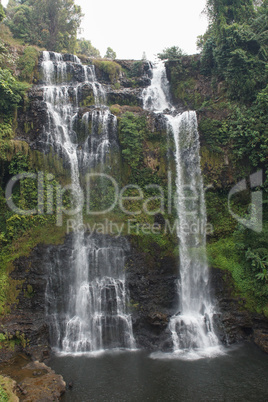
260	337
125	96
153	296
141	82
235	323
159	219
158	319
48	386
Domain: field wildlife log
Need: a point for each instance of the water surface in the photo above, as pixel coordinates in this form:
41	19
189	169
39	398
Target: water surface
240	375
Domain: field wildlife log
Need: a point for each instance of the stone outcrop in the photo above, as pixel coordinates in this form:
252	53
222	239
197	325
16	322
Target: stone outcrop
41	384
35	381
152	291
152	288
235	322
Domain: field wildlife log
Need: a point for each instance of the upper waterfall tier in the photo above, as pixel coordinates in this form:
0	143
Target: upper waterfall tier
156	96
61	93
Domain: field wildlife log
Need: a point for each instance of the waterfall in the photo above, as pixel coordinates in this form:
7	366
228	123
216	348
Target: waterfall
191	328
86	294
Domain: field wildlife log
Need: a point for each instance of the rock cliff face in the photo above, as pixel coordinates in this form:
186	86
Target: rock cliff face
237	323
153	299
151	280
152	292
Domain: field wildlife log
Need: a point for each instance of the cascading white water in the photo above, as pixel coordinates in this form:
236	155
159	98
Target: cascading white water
155	97
192	327
93	314
97	318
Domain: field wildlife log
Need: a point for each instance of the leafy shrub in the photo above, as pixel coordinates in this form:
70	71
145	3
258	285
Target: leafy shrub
11	90
132	132
3	395
111	68
84	47
110	53
115	109
136	69
27	63
171	53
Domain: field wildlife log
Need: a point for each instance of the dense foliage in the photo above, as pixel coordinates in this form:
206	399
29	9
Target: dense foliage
11	90
2	13
132	133
3	395
234	57
235	49
52	24
110	53
171	53
85	48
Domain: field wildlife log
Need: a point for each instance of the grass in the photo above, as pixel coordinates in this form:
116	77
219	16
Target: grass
223	254
6	390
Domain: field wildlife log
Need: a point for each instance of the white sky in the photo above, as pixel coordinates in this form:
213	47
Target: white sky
131	28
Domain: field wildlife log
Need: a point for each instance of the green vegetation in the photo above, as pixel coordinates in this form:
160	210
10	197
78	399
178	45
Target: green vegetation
85	48
3	395
132	135
7	390
171	53
52	24
2	13
234	57
109	68
27	63
110	54
235	47
11	90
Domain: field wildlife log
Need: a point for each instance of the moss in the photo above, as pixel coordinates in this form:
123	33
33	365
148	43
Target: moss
7	390
116	85
185	91
109	68
115	109
51	163
27	63
123	100
155	247
224	255
22	247
88	101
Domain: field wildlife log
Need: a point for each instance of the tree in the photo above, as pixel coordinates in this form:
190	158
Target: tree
2	13
110	53
171	53
229	11
85	47
235	47
11	90
52	24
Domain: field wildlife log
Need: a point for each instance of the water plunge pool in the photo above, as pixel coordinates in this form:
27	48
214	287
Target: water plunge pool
239	375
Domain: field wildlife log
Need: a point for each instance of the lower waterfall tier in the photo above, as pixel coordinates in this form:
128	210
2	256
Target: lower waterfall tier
92	313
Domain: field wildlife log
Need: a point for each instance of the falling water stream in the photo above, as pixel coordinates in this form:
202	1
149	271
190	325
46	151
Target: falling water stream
92	313
192	329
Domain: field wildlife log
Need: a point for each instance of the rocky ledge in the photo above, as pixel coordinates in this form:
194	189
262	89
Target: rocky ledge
31	382
236	322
